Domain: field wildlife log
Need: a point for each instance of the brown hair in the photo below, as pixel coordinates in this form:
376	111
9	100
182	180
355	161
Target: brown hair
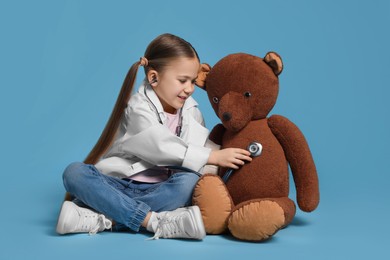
159	53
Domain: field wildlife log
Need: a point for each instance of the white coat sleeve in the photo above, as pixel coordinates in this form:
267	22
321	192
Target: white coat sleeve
153	142
209	168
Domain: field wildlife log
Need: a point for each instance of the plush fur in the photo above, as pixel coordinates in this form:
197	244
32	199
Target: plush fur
253	204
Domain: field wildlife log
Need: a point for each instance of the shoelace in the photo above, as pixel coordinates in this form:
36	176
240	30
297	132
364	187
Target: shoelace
101	222
168	228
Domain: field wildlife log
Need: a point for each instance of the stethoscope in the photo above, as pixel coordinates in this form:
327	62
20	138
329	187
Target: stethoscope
180	123
255	150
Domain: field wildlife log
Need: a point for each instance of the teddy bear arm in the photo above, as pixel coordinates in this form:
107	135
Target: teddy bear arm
299	156
217	134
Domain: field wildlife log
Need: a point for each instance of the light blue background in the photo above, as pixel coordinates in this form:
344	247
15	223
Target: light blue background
62	64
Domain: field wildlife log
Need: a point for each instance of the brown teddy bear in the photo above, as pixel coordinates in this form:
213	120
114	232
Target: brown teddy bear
253	203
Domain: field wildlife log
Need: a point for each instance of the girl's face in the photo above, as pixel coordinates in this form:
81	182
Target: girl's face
176	83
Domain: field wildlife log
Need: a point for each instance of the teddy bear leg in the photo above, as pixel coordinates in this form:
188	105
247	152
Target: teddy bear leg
213	199
256	220
288	206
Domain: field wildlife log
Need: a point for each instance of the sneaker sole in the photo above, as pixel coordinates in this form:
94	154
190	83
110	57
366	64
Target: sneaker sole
197	218
62	219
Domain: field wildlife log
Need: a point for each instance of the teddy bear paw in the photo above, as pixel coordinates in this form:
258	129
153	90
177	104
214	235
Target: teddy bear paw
256	220
214	201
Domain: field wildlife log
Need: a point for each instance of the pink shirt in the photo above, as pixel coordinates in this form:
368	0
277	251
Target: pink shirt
157	173
172	121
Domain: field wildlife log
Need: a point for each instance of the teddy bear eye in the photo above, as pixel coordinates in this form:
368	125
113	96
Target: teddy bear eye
215	100
247	94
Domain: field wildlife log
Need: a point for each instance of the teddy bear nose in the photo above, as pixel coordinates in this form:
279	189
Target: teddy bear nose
226	116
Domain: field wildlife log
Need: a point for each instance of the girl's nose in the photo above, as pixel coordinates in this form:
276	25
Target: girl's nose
189	88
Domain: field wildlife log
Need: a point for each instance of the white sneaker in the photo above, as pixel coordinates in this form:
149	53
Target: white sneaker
75	219
180	223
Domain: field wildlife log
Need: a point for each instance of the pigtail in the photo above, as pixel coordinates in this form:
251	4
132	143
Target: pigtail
107	136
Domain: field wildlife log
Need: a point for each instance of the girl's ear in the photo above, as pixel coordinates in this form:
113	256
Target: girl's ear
274	61
152	77
202	75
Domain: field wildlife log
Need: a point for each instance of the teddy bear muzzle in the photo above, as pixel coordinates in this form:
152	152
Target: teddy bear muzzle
234	111
226	116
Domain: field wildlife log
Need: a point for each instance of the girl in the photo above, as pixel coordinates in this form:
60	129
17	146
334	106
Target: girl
130	176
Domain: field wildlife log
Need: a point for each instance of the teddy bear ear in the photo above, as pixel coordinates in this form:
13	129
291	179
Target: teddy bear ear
202	75
274	61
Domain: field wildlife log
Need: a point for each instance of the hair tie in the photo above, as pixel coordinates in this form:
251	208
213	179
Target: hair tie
143	61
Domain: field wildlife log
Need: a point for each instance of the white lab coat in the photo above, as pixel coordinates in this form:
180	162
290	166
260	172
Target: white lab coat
143	141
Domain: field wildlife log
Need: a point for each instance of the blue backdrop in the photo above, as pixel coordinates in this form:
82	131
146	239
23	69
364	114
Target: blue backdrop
62	64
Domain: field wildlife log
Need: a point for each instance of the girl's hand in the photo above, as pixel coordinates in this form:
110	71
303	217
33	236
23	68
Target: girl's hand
229	157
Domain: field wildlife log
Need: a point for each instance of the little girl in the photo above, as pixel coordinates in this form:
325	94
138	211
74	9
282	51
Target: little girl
143	168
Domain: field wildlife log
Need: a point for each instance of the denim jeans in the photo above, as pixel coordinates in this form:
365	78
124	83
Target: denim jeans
125	201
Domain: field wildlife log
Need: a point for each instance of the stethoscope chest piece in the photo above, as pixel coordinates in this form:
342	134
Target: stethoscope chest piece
255	149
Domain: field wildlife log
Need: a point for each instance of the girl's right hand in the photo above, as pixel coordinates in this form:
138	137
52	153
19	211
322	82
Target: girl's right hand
229	157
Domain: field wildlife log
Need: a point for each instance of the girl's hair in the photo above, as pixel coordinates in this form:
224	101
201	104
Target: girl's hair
159	53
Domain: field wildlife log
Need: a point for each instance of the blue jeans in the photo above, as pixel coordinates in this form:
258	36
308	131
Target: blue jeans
125	201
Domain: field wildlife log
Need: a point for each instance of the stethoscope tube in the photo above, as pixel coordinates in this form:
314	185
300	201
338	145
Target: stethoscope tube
180	123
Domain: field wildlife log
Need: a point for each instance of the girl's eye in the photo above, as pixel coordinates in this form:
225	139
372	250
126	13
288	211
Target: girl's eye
182	81
247	94
215	100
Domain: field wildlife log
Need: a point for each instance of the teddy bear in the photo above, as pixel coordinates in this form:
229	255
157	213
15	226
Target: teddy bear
252	202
